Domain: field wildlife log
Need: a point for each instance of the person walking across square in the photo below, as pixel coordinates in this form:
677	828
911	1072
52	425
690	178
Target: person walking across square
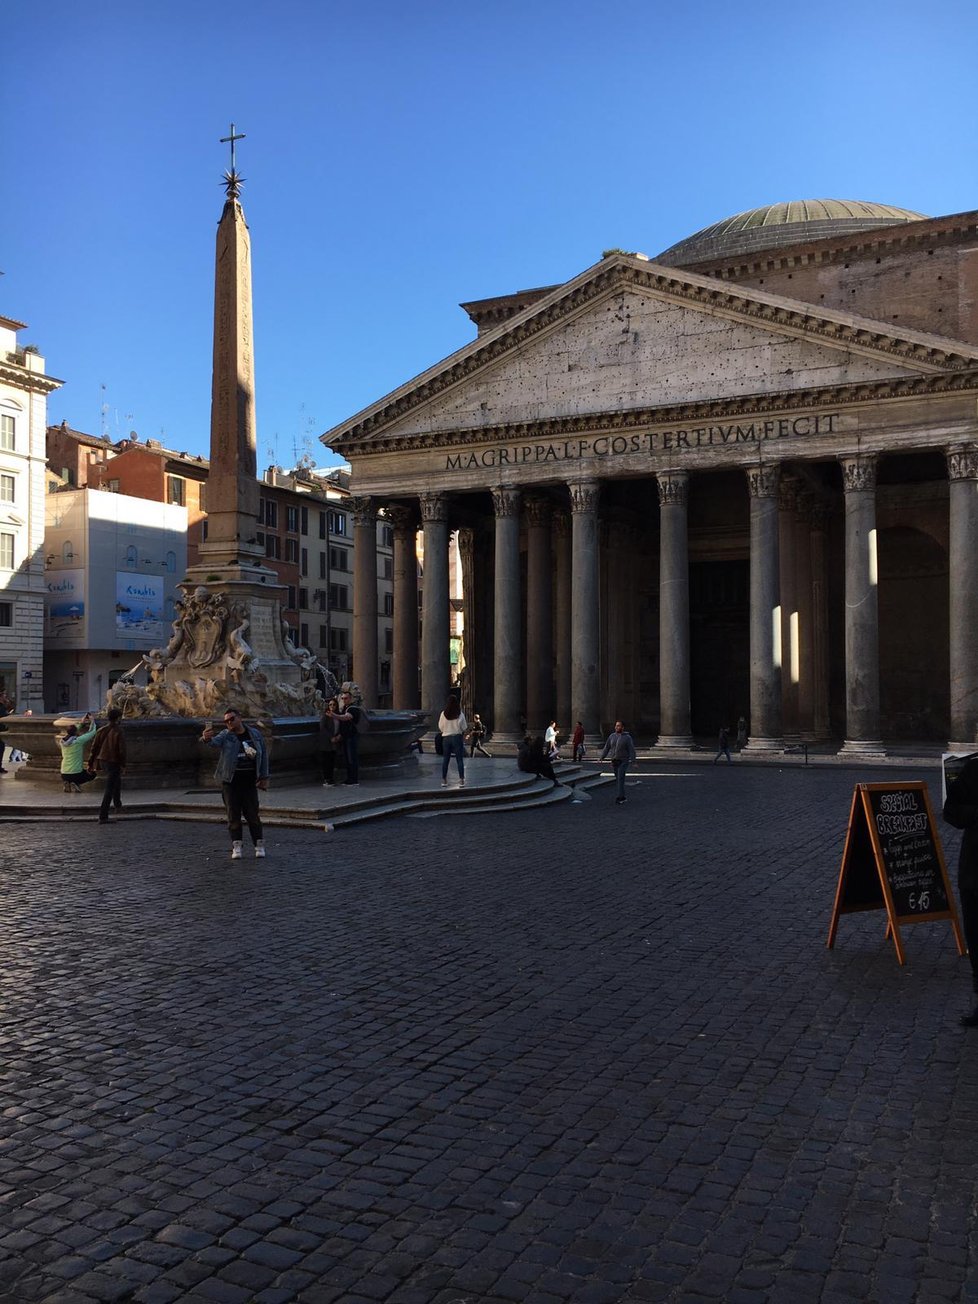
108	754
242	769
476	735
620	747
6	708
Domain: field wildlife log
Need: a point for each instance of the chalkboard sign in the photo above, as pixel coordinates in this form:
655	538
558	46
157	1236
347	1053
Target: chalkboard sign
893	861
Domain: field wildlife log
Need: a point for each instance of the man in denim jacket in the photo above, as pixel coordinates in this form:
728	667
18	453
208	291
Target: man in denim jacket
242	769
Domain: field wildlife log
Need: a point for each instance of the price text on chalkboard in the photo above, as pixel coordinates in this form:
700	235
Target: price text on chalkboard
893	861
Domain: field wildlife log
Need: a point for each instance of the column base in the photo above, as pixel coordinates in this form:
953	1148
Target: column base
503	742
862	747
756	746
962	749
673	743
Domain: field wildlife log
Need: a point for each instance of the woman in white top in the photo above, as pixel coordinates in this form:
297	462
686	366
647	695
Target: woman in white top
452	726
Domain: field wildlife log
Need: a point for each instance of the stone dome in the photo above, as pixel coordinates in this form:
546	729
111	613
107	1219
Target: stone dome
777	225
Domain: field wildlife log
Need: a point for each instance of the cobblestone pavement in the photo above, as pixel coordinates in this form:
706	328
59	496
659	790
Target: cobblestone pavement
586	1053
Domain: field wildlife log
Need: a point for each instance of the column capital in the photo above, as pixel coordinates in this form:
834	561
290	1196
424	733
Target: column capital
858	472
584	496
434	508
505	501
538	511
673	488
818	514
962	462
762	481
403	519
364	511
789	494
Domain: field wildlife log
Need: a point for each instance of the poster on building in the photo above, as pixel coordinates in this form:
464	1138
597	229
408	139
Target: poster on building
139	606
64	606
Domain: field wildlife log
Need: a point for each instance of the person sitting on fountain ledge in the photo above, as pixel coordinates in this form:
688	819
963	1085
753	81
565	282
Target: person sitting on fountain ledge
242	769
72	743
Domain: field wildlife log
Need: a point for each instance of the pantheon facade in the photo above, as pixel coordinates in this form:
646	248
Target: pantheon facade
736	479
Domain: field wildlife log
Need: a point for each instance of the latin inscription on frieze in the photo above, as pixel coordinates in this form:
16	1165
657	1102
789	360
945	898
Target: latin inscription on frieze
650	443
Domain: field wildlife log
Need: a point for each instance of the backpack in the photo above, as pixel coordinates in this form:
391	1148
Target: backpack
362	722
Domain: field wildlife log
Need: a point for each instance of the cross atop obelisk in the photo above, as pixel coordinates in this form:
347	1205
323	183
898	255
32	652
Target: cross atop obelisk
232	181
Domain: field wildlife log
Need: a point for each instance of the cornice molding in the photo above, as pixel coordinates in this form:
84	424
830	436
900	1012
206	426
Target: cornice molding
835	249
925	353
678	414
34	382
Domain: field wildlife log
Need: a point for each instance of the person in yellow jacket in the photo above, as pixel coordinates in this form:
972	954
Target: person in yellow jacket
72	743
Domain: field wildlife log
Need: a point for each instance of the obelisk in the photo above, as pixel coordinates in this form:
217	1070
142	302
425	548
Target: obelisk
232	485
233	622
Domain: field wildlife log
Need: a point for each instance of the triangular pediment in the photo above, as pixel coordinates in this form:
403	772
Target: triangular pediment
631	335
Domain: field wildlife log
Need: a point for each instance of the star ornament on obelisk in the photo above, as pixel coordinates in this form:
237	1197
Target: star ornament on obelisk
233	181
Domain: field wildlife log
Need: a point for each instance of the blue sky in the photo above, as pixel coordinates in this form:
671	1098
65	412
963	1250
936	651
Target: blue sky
403	157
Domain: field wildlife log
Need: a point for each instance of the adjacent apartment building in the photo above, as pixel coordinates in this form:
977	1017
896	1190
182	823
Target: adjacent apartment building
305	527
112	565
24	389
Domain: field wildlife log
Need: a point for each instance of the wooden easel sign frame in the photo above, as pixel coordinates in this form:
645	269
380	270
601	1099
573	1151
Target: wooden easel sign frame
893	861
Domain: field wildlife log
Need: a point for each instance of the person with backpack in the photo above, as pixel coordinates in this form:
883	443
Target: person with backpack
476	734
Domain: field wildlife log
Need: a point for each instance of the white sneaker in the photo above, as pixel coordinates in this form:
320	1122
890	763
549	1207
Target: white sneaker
236	851
444	783
461	783
259	850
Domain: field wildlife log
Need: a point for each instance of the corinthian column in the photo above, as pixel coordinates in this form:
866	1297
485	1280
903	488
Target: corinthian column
562	618
539	617
674	709
435	640
820	622
508	625
584	605
787	591
804	604
405	668
862	609
365	597
765	612
962	469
